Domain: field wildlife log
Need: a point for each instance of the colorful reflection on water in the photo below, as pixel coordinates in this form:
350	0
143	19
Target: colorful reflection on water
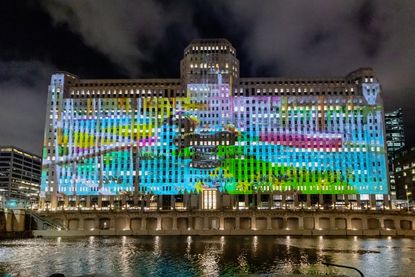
205	256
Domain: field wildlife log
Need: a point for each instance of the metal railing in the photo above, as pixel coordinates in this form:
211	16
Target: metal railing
43	221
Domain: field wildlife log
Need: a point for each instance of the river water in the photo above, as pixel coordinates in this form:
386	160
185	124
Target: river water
206	256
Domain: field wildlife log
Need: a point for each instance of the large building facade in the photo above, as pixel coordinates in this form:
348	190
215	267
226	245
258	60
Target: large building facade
215	138
395	142
404	175
19	178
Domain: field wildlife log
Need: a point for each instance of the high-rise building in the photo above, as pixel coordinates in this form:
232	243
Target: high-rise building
395	141
404	166
213	139
19	177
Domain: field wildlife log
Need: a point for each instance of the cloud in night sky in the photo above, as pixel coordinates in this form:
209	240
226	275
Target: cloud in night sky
23	87
122	30
125	39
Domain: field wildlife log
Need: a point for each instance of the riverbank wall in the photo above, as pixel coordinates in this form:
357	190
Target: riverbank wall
247	222
14	224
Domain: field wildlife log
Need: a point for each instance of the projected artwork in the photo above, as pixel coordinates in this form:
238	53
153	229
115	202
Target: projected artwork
240	145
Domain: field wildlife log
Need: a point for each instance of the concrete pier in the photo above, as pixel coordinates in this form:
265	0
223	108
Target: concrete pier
12	221
245	222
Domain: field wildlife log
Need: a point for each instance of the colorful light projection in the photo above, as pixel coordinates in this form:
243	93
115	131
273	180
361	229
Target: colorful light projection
308	144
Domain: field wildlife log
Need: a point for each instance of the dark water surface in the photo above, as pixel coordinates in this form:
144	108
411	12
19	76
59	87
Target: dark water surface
206	256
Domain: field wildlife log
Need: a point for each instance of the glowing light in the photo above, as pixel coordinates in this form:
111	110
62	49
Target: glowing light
208	138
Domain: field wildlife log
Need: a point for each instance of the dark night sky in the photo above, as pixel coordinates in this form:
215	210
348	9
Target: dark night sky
134	39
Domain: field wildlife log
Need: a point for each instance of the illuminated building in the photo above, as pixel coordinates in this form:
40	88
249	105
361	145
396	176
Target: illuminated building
214	136
395	141
404	166
19	177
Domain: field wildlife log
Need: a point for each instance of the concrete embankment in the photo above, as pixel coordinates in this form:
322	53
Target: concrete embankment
247	222
14	224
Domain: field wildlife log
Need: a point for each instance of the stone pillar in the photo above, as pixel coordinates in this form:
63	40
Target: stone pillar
333	201
66	201
346	199
320	200
372	201
349	223
172	202
159	202
99	201
358	200
65	223
270	201
143	223
200	201
81	223
397	223
9	220
332	223
387	200
112	223
135	198
300	223
258	200
221	223
205	223
316	222
284	222
18	220
219	198
269	223
295	196
53	200
253	222
364	223
158	223
123	201
283	200
308	200
246	201
237	222
186	202
382	223
88	201
128	227
111	202
174	223
77	198
190	223
143	202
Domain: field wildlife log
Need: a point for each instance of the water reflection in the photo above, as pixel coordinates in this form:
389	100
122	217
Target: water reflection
205	256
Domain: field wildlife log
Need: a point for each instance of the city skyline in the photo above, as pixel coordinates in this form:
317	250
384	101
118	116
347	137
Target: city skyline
63	36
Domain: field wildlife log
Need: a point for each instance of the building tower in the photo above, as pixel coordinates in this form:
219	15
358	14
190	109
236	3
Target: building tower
395	140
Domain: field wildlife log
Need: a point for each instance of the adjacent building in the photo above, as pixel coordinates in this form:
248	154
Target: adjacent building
395	141
19	177
404	166
212	139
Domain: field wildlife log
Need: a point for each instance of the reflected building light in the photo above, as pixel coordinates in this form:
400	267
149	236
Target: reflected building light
188	244
157	249
91	240
255	244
